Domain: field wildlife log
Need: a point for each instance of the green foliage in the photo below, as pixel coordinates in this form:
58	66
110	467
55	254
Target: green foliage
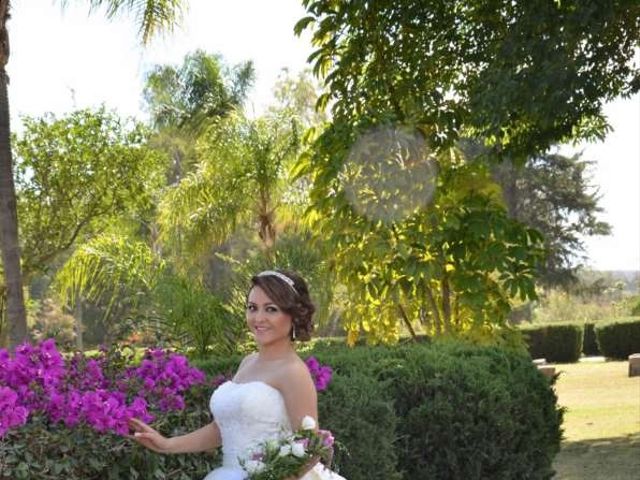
522	75
74	175
113	271
555	342
194	317
619	338
51	451
298	96
140	292
108	268
51	322
635	310
358	409
556	305
453	265
589	342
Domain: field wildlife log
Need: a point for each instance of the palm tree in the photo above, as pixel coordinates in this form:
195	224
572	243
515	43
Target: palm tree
184	100
153	16
240	180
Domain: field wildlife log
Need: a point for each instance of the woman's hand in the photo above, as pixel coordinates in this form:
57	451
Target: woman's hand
148	437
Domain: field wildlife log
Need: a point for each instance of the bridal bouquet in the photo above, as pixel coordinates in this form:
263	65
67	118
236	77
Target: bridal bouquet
291	455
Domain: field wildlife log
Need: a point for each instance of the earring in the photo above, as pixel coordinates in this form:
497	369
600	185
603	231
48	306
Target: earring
293	332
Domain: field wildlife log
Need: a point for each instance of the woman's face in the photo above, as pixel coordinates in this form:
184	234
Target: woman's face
265	319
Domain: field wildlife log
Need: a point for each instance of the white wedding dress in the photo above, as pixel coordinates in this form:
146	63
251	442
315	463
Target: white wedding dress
249	414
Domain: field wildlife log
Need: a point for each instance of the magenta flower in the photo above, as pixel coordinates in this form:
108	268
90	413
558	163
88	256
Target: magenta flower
36	379
321	374
11	413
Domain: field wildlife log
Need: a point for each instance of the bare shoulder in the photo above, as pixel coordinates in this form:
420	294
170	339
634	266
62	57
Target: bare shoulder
296	372
246	359
294	379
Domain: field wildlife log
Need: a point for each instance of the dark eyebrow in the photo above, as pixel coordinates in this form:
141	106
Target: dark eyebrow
266	304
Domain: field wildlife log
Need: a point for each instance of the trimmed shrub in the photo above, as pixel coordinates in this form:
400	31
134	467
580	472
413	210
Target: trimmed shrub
619	338
462	412
555	342
358	409
589	343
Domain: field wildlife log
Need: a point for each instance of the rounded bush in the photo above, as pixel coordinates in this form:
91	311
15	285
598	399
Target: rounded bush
462	412
555	342
619	338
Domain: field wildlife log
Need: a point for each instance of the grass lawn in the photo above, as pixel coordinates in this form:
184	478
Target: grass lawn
601	424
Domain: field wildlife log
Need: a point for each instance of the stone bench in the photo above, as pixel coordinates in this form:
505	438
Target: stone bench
547	370
634	365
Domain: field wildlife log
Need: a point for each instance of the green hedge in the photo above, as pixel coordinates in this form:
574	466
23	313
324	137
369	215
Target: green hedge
589	342
437	411
619	338
461	412
555	342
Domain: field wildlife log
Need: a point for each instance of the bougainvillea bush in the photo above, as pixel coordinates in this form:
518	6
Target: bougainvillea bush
68	417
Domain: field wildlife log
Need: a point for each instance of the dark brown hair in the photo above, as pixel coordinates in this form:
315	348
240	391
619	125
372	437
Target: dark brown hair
296	303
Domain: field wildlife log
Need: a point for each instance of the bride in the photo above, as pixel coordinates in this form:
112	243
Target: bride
272	390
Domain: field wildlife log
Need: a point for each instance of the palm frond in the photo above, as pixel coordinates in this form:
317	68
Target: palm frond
152	16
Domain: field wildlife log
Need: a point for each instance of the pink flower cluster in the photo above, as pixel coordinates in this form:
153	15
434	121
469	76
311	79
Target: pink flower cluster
321	374
101	392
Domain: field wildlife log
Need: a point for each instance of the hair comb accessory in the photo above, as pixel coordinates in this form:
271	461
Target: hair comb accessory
281	276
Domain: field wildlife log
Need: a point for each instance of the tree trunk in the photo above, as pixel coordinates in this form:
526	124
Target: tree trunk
77	316
434	310
407	322
507	176
446	303
16	314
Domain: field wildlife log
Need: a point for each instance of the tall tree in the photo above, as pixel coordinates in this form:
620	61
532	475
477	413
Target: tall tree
152	16
75	175
551	193
239	180
517	75
183	100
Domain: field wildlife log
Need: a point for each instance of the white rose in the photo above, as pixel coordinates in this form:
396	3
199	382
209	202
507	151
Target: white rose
284	450
254	466
297	449
272	445
308	423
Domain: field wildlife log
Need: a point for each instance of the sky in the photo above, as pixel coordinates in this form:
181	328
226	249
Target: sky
63	60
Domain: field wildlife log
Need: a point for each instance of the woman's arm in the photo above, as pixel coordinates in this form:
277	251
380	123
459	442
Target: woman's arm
301	400
299	393
204	439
